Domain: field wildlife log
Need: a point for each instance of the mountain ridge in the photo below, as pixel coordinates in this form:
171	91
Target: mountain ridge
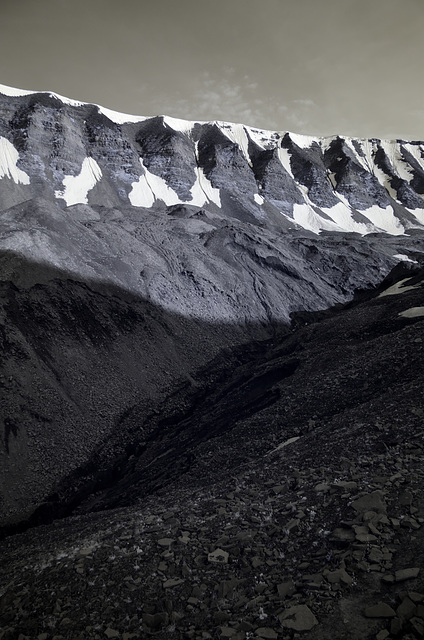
319	175
211	409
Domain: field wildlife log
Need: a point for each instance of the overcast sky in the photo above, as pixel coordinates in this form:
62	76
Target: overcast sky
310	66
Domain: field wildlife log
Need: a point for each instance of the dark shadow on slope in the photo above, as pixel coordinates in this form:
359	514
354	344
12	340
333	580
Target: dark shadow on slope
77	357
203	397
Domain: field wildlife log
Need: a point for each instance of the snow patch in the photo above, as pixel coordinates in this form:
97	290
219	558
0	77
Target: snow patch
11	91
413	312
184	126
384	180
202	191
141	194
264	139
400	166
119	118
384	219
114	116
309	219
342	216
399	287
302	141
150	186
419	214
76	188
404	258
258	199
237	134
284	157
9	157
416	151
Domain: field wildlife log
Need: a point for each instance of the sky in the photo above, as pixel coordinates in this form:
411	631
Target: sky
318	67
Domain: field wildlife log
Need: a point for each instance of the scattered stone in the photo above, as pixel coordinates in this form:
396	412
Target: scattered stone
416	597
111	633
380	610
322	486
339	575
382	635
228	632
165	542
396	626
345	486
418	626
156	620
286	589
406	574
219	556
406	609
172	582
299	618
267	633
370	502
344	535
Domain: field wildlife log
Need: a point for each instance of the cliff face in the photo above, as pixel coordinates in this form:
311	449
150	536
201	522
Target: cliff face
133	252
74	153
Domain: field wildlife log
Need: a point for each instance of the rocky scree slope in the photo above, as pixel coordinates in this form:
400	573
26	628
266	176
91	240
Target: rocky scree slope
298	516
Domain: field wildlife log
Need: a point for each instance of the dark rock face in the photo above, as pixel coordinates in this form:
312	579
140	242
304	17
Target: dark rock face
169	154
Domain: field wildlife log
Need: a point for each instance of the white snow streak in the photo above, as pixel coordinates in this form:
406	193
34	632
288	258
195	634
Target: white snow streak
76	188
401	168
9	157
309	219
150	187
416	151
258	199
341	213
115	116
264	139
399	287
284	158
302	141
184	126
384	219
11	91
419	214
237	134
202	191
413	312
404	258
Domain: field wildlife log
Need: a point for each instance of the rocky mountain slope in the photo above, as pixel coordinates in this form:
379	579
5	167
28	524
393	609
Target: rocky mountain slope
279	495
166	372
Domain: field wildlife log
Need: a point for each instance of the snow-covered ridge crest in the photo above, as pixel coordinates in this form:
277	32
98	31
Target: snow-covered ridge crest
114	116
235	131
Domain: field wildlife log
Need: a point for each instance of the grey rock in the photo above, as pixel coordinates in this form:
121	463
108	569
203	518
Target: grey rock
380	610
370	502
218	556
406	574
267	633
299	618
406	609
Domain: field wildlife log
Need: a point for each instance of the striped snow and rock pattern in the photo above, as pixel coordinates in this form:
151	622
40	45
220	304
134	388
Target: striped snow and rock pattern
81	153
